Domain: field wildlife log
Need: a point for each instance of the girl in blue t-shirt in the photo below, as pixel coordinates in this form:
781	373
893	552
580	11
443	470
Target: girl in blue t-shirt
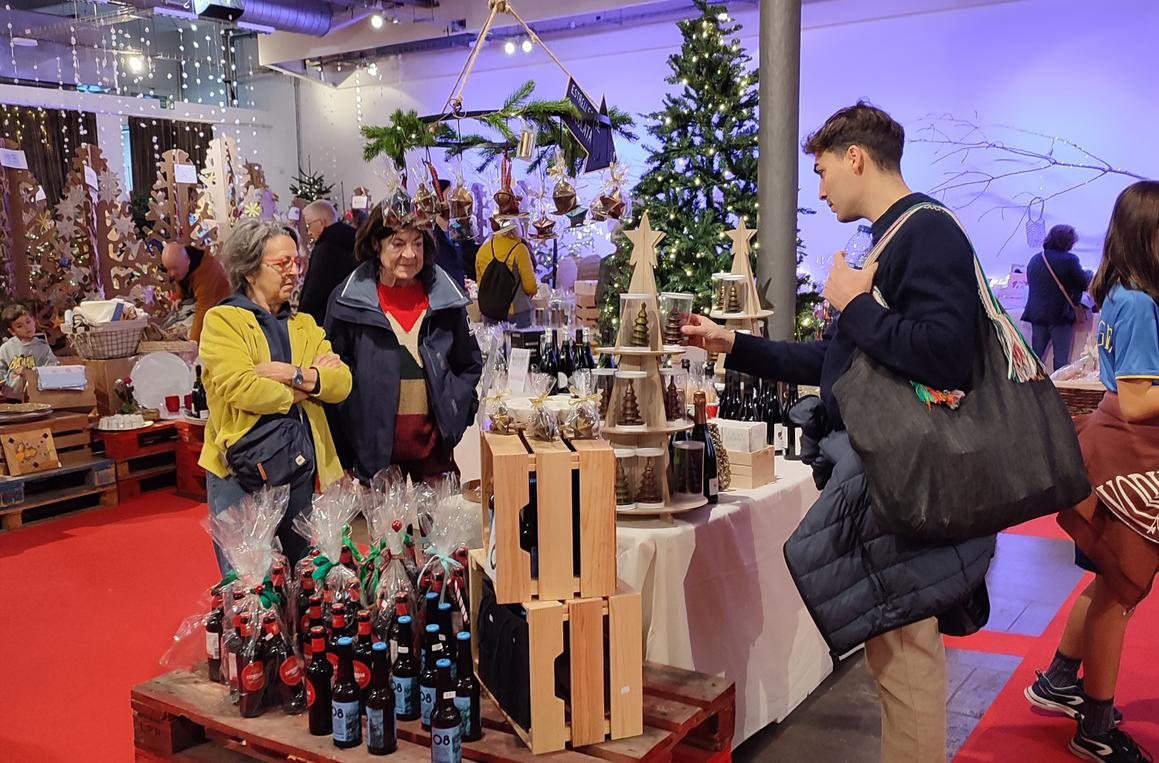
1120	443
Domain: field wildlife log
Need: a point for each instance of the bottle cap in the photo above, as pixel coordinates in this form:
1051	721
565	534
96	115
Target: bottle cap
318	632
405	620
443	663
432	595
380	646
446	605
432	628
464	636
345	641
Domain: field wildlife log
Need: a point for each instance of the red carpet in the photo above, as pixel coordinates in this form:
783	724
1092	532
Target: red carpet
88	604
1011	729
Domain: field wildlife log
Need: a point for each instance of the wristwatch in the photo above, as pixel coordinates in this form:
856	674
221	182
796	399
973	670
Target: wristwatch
299	377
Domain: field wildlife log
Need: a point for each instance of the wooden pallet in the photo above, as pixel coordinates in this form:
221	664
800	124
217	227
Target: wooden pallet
180	716
190	476
146	458
77	486
122	446
71	436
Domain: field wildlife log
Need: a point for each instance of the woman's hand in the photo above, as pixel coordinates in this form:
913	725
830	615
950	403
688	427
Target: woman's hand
278	371
702	332
329	360
300	396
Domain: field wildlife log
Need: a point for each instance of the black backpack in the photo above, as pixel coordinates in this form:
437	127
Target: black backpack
497	286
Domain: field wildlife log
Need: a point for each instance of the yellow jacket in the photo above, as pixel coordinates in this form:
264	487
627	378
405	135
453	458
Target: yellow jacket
512	251
232	343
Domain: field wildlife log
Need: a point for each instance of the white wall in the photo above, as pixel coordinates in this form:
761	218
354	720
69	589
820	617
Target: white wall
1069	68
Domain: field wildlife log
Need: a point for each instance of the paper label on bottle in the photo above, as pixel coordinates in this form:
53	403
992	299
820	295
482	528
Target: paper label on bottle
713	487
232	661
310	694
347	721
446	745
253	676
361	674
333	661
464	706
404	695
427	703
291	671
213	645
376	726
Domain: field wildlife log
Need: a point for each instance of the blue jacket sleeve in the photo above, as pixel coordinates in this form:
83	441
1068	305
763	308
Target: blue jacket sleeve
792	362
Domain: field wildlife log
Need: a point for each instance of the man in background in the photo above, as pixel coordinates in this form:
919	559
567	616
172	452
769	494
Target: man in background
199	278
331	259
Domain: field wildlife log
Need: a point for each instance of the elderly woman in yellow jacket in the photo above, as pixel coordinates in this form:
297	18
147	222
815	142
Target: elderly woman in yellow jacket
267	373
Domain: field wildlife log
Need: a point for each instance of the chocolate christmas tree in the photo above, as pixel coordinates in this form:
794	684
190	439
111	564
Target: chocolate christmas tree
623	489
672	410
649	486
672	333
640	336
630	408
732	299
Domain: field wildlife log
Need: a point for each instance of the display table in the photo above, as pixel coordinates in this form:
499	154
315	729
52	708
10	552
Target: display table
718	599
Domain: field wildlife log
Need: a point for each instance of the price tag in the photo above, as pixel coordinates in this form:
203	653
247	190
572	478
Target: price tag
13	159
185	174
295	214
90	176
359	202
517	367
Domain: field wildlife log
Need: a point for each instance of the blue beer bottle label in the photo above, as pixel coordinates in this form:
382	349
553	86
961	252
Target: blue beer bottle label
405	691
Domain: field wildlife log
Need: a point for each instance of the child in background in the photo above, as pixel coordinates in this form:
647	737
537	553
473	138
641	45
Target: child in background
1116	530
24	350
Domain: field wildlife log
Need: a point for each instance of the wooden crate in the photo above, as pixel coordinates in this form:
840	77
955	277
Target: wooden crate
122	446
590	714
71	435
146	458
574	478
190	476
184	717
82	485
752	470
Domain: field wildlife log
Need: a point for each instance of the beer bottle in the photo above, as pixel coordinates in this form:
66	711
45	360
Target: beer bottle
446	725
345	699
233	645
302	610
337	631
428	678
213	638
406	672
346	559
400	611
313	620
251	666
363	644
278	579
380	720
318	677
431	613
285	686
446	633
467	691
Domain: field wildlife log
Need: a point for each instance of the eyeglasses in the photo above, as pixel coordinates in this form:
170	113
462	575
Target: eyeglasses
283	266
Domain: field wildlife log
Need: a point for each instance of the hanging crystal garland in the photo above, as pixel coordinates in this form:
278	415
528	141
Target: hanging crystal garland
12	45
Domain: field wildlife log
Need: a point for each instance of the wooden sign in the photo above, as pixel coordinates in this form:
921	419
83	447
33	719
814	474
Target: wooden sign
593	130
30	452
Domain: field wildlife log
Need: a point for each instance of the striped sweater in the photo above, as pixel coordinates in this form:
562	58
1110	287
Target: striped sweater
415	433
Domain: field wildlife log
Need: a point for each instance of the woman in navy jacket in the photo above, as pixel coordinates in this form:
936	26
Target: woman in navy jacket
1048	309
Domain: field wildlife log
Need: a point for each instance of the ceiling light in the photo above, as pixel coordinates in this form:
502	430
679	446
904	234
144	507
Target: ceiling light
377	21
509	48
372	70
394	19
526	46
24	42
136	64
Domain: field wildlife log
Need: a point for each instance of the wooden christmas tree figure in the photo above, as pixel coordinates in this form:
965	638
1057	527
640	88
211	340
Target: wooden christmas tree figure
259	200
731	300
630	408
18	198
640	332
649	486
672	400
221	203
623	489
172	204
48	290
76	226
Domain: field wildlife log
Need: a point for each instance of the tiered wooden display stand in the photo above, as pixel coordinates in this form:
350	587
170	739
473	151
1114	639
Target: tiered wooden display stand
752	318
649	391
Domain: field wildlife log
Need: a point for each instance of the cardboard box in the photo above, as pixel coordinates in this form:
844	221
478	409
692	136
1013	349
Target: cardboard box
62	400
585	289
104	374
743	436
752	470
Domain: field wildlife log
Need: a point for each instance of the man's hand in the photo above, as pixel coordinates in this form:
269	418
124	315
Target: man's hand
279	372
845	284
329	360
702	332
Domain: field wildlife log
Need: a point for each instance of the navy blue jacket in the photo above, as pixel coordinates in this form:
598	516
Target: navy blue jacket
363	426
926	275
1045	303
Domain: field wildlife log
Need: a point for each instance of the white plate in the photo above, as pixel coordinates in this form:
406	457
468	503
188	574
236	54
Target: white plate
159	375
146	425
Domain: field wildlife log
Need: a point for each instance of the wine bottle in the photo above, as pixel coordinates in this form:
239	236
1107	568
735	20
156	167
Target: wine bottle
200	408
566	363
700	433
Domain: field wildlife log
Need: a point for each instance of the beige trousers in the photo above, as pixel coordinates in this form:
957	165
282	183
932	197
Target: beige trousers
909	665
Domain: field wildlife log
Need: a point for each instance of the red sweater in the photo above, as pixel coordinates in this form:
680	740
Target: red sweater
415	433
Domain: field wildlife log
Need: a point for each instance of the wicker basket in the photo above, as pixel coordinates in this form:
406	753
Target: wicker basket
1080	397
118	339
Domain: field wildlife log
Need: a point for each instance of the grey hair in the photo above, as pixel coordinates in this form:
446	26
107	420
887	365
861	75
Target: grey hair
243	250
321	209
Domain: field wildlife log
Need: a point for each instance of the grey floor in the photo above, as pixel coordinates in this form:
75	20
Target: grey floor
1029	581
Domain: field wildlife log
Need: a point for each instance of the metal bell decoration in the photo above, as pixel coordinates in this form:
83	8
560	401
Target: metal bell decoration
462	202
528	139
564	197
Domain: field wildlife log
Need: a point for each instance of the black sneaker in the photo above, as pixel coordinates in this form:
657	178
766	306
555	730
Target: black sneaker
1115	746
1064	700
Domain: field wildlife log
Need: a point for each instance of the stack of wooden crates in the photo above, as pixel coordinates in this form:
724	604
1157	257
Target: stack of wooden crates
599	622
587	312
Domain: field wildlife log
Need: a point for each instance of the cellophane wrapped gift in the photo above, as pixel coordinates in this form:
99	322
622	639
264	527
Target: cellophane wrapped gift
444	574
544	424
385	573
582	421
326	525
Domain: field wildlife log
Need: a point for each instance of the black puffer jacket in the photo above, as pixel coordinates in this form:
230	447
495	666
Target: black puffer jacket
857	580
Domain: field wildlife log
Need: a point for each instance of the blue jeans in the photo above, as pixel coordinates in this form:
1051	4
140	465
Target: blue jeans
223	493
1043	335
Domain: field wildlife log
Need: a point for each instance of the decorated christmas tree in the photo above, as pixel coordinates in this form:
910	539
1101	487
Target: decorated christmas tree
311	186
704	177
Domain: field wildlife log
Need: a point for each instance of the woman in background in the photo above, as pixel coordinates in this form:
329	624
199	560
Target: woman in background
1056	282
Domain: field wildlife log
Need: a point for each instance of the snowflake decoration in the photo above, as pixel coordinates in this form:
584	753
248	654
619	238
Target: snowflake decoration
45	222
108	187
253	209
125	228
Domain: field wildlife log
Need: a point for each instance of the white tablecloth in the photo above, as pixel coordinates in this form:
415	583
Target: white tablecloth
718	598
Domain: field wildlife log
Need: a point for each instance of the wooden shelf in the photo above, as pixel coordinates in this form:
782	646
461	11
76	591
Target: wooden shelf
643	352
672	507
740	316
671	427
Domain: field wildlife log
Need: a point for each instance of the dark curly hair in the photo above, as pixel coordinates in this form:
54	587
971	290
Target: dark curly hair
375	229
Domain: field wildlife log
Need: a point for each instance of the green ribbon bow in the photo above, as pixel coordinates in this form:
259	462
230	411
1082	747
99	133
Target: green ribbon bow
268	596
230	577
